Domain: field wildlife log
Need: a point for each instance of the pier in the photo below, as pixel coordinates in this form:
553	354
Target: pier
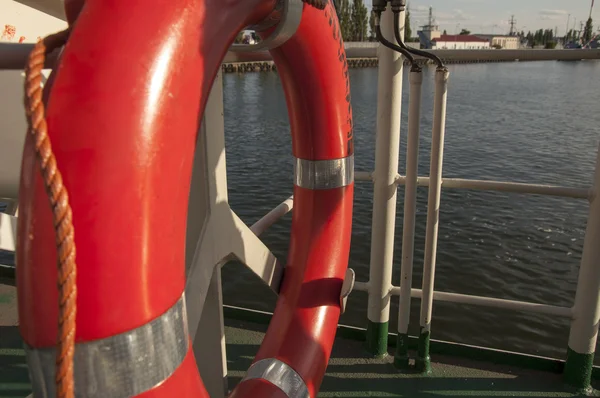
364	55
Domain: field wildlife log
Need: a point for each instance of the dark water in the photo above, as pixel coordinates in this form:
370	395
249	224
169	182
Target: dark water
525	122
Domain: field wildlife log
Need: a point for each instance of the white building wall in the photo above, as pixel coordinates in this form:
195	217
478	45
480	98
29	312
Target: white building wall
507	43
461	45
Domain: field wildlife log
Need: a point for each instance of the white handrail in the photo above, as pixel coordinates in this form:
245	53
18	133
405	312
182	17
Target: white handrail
480	301
515	187
273	216
489	185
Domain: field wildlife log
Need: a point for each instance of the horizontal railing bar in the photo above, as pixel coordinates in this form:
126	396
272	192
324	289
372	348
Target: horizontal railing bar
486	185
271	217
481	301
497	303
8	232
14	55
514	187
363	176
361	286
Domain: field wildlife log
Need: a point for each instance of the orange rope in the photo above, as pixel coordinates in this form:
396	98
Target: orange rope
62	215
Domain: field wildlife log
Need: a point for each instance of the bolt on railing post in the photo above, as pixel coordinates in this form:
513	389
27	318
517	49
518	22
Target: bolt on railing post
401	359
389	101
423	361
586	311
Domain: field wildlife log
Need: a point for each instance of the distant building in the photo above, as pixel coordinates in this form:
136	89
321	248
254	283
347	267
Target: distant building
429	32
504	42
459	42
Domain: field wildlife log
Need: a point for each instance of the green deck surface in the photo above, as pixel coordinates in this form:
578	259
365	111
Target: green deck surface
351	372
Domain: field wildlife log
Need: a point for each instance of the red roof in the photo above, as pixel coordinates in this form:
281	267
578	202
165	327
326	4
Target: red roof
470	38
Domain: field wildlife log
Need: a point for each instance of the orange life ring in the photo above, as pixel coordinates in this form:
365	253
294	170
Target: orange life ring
122	117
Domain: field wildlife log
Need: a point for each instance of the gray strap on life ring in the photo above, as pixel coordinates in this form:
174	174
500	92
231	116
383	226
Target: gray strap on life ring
119	366
281	375
324	174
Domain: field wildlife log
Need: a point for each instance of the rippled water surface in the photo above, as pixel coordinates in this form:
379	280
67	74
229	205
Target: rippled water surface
525	122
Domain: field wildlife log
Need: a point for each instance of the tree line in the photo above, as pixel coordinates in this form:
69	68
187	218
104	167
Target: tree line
546	37
354	19
541	37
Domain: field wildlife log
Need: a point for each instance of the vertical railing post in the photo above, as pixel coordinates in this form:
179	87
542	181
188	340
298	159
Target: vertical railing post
389	101
423	362
401	359
586	311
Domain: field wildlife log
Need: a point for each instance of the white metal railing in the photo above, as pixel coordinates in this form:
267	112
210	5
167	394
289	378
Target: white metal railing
387	149
410	210
478	300
585	314
489	185
273	216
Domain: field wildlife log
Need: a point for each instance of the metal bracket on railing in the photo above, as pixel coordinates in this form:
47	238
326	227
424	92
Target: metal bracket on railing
287	15
215	233
347	287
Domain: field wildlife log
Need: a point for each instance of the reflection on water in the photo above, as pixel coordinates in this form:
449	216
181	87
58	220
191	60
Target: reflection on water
527	122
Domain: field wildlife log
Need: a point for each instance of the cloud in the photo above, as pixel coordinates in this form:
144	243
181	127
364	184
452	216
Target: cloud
553	12
453	16
419	9
547	14
462	16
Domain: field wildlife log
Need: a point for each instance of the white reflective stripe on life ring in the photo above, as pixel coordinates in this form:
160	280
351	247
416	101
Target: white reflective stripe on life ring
119	366
324	174
280	375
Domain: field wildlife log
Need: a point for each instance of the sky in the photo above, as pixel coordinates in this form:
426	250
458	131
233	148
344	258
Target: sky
493	16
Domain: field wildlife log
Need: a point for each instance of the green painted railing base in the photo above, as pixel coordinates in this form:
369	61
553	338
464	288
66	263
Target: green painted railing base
377	338
475	353
578	371
423	361
401	358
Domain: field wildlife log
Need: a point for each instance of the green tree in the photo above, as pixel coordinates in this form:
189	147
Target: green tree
465	32
372	26
538	38
345	17
407	29
530	39
587	31
548	36
359	20
445	32
337	6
